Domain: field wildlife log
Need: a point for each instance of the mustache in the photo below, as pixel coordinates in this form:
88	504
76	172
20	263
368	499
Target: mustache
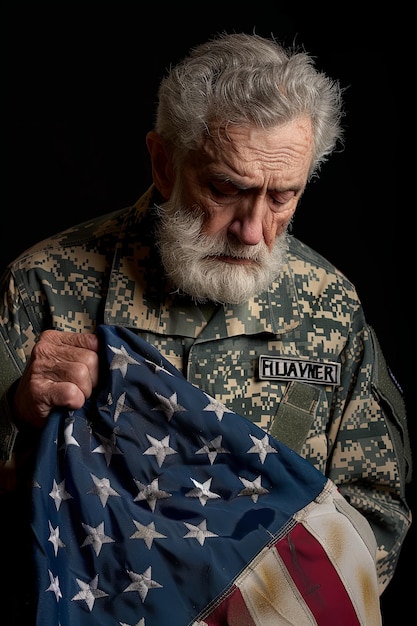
206	245
225	245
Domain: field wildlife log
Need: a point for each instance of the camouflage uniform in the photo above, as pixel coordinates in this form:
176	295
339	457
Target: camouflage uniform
298	359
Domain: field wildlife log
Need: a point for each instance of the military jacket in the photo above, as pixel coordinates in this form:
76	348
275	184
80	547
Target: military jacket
298	359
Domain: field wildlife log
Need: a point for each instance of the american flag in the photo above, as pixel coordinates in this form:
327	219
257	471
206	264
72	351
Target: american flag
156	505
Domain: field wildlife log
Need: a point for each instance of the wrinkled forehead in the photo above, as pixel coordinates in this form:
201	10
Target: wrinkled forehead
291	142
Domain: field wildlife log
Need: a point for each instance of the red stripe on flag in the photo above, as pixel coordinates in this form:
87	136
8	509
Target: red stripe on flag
231	611
316	579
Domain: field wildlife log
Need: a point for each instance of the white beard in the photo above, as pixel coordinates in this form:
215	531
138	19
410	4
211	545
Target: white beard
187	257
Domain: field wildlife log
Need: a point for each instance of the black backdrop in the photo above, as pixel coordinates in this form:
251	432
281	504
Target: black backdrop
79	94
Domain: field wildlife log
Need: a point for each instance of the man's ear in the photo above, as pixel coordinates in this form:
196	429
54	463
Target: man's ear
162	170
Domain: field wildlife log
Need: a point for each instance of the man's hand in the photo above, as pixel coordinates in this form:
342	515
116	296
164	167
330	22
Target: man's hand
62	372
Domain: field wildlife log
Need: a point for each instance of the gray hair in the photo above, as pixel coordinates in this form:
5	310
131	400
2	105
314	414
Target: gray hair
245	79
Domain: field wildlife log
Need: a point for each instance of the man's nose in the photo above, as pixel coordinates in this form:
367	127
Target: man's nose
247	224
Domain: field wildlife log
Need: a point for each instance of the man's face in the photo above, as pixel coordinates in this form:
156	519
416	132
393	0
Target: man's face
222	233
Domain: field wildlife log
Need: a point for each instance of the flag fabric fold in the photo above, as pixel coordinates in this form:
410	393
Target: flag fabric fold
155	505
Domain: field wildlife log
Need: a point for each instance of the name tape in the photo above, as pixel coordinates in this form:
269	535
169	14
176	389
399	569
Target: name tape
274	367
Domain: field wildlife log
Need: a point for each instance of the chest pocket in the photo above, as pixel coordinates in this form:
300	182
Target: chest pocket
295	415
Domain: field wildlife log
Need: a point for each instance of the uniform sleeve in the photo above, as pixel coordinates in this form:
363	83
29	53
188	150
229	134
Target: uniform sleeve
16	339
370	454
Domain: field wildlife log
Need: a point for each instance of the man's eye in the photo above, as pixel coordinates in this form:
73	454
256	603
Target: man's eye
282	198
278	201
222	191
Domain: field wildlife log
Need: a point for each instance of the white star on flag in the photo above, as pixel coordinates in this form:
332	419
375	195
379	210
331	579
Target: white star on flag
199	532
261	447
59	494
159	449
89	592
96	537
253	488
121	360
169	406
121	407
213	448
202	491
54	538
102	489
151	493
107	447
142	583
147	533
69	429
217	407
54	586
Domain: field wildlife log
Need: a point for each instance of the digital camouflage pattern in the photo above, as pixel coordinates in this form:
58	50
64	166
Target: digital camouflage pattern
352	427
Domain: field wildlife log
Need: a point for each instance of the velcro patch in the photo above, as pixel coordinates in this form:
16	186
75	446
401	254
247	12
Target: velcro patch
321	373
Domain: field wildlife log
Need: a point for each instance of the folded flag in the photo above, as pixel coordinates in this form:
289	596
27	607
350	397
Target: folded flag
156	505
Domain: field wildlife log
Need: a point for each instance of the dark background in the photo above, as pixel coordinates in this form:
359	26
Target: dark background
79	94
